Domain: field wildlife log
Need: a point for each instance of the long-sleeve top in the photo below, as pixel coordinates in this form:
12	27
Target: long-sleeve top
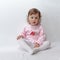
34	34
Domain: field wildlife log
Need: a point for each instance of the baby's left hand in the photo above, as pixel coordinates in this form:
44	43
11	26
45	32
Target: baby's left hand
36	45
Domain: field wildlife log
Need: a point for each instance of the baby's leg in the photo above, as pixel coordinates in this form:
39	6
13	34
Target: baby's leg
31	45
25	46
44	46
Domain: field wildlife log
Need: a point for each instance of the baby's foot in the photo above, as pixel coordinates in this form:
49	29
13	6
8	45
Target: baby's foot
31	52
35	50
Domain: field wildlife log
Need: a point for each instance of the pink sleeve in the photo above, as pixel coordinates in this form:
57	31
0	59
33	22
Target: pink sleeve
42	37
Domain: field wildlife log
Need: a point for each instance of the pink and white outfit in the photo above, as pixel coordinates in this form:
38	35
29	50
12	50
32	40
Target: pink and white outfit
35	34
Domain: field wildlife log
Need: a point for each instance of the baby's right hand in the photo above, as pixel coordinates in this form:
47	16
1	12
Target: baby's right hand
18	37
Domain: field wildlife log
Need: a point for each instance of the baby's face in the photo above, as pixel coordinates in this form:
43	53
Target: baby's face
33	19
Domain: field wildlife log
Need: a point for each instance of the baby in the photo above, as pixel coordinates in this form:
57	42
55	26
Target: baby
33	34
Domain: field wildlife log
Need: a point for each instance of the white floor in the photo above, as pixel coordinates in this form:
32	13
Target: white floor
13	53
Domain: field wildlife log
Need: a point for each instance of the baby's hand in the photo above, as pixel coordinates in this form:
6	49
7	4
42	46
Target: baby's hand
20	36
36	45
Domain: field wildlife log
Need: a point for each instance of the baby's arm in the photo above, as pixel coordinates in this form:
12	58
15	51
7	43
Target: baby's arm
22	35
42	36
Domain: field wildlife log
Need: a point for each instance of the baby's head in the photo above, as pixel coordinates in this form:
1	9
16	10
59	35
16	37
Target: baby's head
34	17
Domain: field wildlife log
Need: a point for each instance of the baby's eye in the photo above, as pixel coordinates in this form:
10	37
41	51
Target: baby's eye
35	17
32	17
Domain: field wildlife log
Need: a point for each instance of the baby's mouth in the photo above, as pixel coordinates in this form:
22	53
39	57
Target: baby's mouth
34	22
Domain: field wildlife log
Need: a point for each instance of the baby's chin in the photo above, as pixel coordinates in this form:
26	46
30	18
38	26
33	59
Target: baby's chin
34	24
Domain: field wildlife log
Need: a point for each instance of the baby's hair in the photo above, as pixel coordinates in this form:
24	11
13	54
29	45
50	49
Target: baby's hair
34	11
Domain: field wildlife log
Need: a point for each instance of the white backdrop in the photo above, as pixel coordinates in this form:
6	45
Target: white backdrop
13	15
